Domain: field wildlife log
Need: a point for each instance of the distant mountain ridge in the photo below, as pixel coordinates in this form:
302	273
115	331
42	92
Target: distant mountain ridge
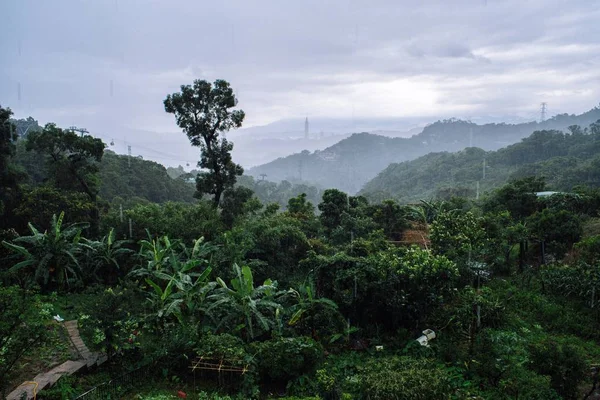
350	163
564	160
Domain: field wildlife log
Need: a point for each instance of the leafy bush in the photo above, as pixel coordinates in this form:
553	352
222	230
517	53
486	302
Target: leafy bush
286	358
22	327
403	378
113	325
222	347
562	362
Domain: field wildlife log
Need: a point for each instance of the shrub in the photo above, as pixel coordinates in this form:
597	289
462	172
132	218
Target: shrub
562	362
286	358
403	378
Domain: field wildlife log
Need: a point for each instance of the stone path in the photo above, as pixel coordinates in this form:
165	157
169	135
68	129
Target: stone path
87	359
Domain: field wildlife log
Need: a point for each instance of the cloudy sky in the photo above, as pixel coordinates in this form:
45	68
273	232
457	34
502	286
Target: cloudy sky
108	64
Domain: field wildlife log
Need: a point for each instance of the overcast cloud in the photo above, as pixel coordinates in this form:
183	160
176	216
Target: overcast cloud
108	65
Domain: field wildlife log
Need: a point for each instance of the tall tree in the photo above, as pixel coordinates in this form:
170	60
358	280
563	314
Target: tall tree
203	111
72	161
9	176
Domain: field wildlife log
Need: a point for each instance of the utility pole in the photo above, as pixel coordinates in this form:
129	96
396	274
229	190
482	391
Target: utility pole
80	130
543	110
483	169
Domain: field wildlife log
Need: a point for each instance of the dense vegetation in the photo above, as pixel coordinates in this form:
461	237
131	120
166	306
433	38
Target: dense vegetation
322	300
564	159
352	162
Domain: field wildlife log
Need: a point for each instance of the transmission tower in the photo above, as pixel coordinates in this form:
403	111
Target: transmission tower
129	158
80	130
543	109
306	128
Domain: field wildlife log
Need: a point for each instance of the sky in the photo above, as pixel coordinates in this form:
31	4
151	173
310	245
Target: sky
107	65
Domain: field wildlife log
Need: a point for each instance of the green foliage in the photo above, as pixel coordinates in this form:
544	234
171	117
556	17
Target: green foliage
39	203
104	258
403	378
458	236
113	324
237	203
276	244
391	217
23	326
332	207
49	258
177	284
72	160
580	281
244	306
283	359
9	176
562	362
125	177
300	207
414	281
202	112
465	316
503	360
560	229
223	347
280	193
186	222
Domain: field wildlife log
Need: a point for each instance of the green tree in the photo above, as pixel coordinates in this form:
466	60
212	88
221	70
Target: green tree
334	204
202	110
300	207
72	161
238	202
9	176
390	216
558	229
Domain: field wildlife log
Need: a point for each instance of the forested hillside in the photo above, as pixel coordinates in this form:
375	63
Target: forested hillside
563	159
119	175
352	162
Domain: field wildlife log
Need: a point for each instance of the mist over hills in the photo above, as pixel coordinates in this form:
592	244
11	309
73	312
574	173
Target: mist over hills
565	160
350	163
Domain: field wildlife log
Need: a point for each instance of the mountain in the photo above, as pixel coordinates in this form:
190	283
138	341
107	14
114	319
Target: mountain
260	144
564	160
350	163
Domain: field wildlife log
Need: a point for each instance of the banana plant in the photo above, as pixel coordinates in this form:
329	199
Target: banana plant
52	256
306	302
106	253
179	288
243	304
